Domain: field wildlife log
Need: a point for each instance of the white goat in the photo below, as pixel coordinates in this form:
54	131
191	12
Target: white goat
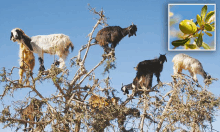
183	61
52	44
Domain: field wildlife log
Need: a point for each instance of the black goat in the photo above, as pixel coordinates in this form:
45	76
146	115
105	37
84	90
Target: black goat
154	66
113	35
144	76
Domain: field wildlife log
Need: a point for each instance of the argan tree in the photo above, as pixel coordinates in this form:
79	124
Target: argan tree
183	105
194	31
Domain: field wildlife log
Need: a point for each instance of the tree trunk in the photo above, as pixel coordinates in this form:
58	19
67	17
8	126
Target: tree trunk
77	125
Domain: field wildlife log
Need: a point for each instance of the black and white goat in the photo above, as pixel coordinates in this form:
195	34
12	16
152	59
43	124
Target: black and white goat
183	61
52	44
145	82
113	35
145	71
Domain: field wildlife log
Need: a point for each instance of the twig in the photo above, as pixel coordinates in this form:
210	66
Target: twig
59	88
103	59
165	111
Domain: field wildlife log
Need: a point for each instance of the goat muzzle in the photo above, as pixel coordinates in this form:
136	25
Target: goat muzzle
10	36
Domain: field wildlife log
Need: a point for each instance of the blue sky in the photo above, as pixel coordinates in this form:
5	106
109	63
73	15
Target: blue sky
72	17
188	12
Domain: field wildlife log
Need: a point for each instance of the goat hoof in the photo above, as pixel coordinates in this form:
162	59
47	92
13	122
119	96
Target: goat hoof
42	68
160	84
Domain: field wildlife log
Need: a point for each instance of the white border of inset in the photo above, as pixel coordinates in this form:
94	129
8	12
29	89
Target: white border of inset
188	49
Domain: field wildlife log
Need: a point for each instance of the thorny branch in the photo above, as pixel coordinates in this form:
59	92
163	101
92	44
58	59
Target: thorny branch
81	63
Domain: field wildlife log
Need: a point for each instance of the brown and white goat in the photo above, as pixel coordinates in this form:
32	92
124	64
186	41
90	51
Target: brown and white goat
101	102
52	44
32	112
183	61
145	82
113	35
27	62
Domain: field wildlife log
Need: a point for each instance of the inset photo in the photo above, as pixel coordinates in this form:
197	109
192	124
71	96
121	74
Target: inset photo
191	27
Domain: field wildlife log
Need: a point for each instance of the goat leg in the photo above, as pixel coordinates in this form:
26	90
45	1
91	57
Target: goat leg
42	68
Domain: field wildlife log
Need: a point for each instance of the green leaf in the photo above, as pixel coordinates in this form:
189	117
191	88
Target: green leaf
177	43
209	34
209	15
208	27
199	40
191	46
196	23
213	29
213	26
205	46
203	11
196	35
198	18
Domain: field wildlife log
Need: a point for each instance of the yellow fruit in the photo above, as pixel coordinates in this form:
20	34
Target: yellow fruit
188	27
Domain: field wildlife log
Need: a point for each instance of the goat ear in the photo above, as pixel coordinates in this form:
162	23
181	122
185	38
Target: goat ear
27	42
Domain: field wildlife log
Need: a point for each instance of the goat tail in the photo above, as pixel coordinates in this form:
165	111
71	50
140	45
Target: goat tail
135	68
71	45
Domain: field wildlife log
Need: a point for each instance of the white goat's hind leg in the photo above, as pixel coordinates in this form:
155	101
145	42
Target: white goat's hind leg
193	75
176	69
41	61
176	72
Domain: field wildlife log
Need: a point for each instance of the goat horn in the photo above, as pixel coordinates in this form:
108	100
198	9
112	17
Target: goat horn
132	23
122	84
